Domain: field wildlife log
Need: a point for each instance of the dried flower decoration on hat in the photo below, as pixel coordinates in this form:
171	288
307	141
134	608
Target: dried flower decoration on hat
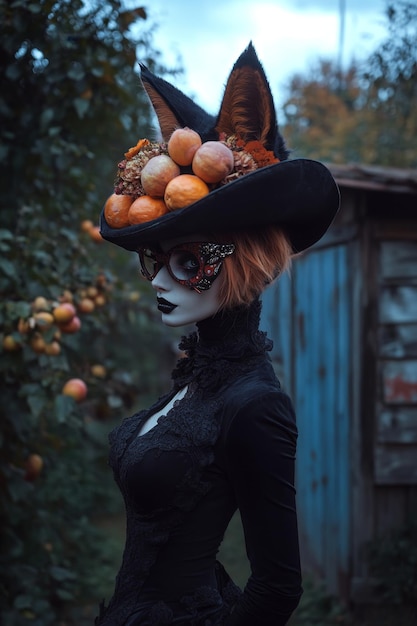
133	151
149	167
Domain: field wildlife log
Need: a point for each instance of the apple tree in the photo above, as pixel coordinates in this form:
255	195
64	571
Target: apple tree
71	307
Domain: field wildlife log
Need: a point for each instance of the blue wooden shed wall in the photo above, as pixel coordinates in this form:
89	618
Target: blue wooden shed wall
307	314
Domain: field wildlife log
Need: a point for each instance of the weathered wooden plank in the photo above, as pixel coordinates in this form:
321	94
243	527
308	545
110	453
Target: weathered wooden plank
391	177
399	381
398	304
397	425
399	341
277	320
404	229
411	501
338	234
361	450
390	507
395	464
398	259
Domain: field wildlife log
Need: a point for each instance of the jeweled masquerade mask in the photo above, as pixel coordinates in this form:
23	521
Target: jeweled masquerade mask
195	265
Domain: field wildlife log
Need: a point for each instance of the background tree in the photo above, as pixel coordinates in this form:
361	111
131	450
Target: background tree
366	113
321	113
390	86
70	105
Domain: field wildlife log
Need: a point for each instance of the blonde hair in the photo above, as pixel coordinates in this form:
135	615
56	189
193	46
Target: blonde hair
259	257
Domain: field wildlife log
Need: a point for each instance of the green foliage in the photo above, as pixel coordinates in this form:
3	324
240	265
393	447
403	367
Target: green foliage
390	77
321	113
393	563
70	105
318	608
46	521
70	99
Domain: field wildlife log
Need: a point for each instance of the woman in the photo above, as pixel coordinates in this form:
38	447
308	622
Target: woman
224	437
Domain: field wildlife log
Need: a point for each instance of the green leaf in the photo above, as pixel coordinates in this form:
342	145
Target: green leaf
46	117
81	105
61	574
23	601
97	71
8	268
13	72
114	401
5	234
42	257
4	247
28	389
35	7
36	404
4	151
53	131
14	544
76	73
19	489
18	309
55	363
64	594
64	407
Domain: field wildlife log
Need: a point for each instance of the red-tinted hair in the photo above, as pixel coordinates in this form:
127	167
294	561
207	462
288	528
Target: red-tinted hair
259	257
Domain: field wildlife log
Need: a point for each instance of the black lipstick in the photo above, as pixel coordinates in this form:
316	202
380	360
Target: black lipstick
164	306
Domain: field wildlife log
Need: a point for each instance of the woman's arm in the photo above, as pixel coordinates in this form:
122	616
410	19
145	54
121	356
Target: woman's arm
260	458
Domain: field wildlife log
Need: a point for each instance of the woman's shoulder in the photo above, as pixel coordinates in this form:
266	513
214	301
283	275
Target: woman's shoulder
257	399
251	382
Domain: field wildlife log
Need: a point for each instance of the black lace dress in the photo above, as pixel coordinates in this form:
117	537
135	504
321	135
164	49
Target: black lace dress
228	443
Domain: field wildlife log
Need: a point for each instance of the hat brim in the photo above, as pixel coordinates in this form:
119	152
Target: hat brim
299	195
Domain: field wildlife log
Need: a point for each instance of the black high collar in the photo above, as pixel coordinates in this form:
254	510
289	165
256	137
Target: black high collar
229	324
228	339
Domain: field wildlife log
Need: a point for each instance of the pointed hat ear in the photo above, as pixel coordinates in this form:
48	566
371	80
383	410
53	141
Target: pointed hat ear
247	108
173	108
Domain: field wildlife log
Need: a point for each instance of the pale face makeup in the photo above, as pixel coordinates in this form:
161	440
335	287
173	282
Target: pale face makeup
180	305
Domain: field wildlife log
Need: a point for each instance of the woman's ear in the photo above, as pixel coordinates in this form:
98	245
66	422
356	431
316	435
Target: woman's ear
247	109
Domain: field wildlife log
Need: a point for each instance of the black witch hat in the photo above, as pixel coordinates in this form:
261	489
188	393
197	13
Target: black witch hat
300	195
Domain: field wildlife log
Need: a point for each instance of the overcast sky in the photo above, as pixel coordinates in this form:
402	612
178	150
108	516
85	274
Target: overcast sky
207	36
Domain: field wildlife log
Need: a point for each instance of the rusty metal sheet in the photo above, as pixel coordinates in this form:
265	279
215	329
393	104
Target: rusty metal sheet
399	380
311	333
